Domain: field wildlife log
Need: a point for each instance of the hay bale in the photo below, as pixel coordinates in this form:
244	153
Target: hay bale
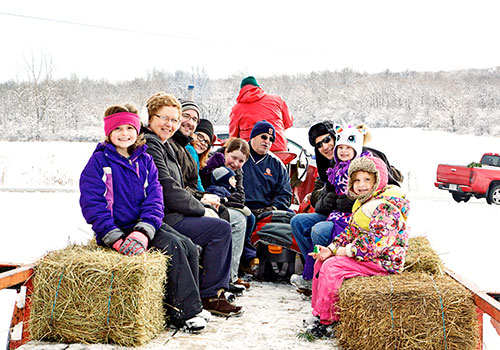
416	321
89	294
420	257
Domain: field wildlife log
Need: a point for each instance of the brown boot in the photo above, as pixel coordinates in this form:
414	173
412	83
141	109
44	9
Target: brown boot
252	267
219	305
242	283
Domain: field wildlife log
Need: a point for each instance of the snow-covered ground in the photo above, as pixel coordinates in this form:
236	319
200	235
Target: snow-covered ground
464	234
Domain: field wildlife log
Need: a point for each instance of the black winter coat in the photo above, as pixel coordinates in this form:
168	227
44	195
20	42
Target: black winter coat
178	201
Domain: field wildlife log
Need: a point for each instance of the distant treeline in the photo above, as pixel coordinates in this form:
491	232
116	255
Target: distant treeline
468	101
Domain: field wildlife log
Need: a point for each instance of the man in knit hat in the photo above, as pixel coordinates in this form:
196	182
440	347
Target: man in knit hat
253	105
266	180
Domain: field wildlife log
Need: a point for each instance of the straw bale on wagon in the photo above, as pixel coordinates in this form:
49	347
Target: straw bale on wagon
89	294
418	309
414	311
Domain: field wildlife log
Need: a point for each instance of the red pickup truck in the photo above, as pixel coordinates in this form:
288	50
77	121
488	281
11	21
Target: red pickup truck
481	180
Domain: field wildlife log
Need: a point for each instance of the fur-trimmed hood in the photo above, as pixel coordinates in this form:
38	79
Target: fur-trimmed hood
371	165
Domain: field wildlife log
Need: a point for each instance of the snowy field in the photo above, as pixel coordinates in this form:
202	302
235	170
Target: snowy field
464	234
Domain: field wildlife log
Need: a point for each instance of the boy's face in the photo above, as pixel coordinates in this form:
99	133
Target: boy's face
232	181
363	182
345	153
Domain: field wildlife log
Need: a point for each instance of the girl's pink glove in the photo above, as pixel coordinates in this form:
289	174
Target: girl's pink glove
136	243
116	246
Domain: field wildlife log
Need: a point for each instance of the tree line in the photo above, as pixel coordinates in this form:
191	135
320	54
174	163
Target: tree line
41	107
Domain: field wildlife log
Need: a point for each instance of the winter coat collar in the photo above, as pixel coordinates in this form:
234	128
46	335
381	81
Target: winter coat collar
181	139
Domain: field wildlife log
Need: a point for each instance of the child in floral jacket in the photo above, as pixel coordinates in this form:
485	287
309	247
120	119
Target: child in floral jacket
374	243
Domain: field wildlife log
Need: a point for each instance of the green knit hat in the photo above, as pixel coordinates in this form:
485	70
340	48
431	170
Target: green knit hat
249	81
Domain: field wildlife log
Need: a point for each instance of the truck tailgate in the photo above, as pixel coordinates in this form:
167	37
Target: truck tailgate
453	174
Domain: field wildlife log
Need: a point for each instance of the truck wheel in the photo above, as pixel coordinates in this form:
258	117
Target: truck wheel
494	195
460	197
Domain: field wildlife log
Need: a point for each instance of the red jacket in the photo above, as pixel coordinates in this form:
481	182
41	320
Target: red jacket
253	105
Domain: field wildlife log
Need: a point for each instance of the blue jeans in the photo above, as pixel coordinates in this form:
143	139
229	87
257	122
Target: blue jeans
310	229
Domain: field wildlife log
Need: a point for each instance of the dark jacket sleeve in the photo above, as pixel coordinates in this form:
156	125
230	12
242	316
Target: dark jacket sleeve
327	200
316	192
175	197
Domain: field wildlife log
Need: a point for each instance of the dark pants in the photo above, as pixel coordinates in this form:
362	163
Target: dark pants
214	236
182	297
249	251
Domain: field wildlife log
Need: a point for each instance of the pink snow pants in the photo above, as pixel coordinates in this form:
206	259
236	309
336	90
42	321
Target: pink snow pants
328	277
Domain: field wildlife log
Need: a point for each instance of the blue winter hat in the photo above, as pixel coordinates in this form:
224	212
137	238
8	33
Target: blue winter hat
249	81
263	127
221	175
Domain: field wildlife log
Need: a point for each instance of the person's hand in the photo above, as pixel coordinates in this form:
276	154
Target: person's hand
259	211
136	243
322	254
116	246
211	199
210	213
344	204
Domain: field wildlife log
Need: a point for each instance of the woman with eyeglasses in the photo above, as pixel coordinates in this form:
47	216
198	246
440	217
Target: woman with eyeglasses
199	148
185	213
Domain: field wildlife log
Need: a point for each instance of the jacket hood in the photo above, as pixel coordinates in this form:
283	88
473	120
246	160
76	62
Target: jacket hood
371	165
250	93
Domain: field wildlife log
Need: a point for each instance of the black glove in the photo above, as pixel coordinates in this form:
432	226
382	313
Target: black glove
326	204
259	211
344	203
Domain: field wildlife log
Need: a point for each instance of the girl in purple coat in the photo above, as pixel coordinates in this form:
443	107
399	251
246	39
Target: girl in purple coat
122	199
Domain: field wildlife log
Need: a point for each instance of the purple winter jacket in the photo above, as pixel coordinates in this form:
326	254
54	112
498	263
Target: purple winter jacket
119	195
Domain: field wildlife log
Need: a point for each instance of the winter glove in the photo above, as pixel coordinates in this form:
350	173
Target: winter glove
326	204
116	246
344	203
259	211
136	243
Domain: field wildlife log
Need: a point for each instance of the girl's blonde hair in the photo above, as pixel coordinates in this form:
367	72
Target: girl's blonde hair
127	107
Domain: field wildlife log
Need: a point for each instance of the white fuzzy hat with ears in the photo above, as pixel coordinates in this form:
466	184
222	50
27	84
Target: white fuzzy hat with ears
350	135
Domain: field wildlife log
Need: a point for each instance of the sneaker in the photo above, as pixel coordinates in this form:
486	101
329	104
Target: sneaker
193	325
236	289
299	282
230	297
240	282
310	320
207	316
219	305
320	330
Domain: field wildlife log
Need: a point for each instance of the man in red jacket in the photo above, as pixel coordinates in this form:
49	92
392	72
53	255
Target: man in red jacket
253	105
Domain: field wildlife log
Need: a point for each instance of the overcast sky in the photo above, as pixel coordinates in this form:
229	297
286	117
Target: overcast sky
255	37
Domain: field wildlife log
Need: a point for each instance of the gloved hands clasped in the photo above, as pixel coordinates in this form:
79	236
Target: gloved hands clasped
135	243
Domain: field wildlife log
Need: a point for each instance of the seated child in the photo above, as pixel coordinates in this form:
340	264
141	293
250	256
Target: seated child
349	141
223	182
374	243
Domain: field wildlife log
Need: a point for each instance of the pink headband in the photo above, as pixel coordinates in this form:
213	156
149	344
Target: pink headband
113	121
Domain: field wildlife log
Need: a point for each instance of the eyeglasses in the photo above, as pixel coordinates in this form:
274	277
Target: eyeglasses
325	140
200	138
188	116
265	137
167	119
